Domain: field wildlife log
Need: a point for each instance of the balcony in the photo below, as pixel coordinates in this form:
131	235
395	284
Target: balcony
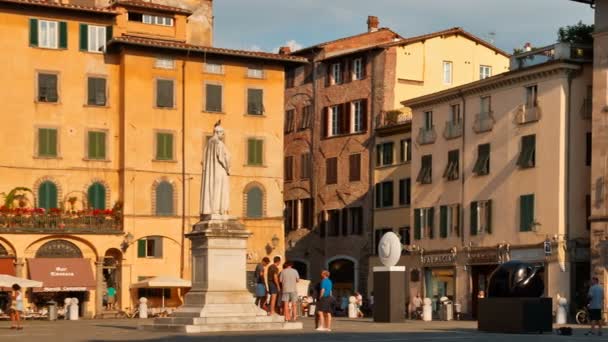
484	122
527	114
392	118
57	221
426	136
586	109
452	130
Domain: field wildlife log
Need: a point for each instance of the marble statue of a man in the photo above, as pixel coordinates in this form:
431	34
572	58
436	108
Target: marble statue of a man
215	190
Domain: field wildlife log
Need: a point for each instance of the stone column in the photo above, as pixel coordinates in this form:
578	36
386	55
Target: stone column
99	286
19	262
299	214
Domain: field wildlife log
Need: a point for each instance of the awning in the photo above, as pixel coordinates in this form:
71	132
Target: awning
62	274
7	281
162	282
7	266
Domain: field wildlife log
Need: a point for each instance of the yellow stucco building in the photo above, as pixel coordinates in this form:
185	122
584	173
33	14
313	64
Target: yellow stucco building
105	121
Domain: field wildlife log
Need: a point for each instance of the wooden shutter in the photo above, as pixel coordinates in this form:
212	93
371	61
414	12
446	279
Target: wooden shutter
255	200
346	76
47	195
213	98
47	142
526	212
63	35
344	222
33	32
84	37
354	167
443	221
289	168
431	223
328	77
109	33
259	152
473	218
325	122
164	199
489	216
97	196
331	170
164	93
141	248
345	120
363	67
364	115
251	151
417	225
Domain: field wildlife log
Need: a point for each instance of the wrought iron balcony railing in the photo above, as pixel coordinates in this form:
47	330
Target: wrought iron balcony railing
426	135
34	221
453	129
484	122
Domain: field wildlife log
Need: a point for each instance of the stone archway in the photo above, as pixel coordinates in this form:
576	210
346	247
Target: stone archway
59	249
112	274
343	273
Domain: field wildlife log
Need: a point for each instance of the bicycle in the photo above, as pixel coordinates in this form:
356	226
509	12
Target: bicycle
128	313
582	316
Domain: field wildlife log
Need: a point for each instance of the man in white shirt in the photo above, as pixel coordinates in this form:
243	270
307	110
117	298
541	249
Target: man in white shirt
289	278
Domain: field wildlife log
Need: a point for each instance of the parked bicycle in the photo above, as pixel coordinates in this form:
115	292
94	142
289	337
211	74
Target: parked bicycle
582	316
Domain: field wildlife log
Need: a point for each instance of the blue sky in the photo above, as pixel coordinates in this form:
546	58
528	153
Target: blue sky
268	24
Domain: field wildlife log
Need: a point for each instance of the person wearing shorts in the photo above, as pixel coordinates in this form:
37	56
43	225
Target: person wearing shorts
289	279
273	283
596	304
111	293
16	307
325	302
260	286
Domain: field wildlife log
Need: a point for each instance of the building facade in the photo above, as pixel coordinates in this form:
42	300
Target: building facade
331	108
111	143
506	180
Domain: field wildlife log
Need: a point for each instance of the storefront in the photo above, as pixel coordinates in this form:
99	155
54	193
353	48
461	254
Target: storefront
481	263
439	276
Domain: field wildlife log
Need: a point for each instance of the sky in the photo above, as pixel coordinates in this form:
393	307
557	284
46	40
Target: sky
268	24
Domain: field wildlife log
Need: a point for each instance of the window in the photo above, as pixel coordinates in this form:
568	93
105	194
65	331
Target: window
485	71
481	217
289	120
93	38
155	20
331	170
428	120
306	117
451	170
48	34
357	110
333	222
355	220
255	202
482	165
213	98
290	77
527	156
96	143
378	234
531	96
336	73
96	91
255	72
447	72
305	165
384	154
335	120
588	211
405	153
405	187
47	87
291	215
214	68
526	213
486	104
47	142
358	69
449	220
384	194
164	93
150	247
47	195
164	63
255	101
96	196
425	176
354	167
164	199
289	168
306	213
164	146
455	116
588	153
255	151
423	223
405	236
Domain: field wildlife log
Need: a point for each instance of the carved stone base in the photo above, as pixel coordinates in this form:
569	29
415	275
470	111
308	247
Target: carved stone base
219	299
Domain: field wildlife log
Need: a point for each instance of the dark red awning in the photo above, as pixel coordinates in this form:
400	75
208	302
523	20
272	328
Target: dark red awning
62	274
7	266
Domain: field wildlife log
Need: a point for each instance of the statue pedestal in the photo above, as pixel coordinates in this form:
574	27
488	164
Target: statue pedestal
389	297
219	299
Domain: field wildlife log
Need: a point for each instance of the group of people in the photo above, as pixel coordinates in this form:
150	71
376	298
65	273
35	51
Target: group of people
270	281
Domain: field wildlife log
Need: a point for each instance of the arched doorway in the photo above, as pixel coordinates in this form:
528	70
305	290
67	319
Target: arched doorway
112	262
343	275
302	268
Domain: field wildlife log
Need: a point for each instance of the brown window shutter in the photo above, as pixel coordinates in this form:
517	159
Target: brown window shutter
363	66
327	74
346	72
324	122
342	119
347	115
364	115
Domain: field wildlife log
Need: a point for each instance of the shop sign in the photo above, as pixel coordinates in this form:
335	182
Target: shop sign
483	257
63	289
61	272
530	254
438	259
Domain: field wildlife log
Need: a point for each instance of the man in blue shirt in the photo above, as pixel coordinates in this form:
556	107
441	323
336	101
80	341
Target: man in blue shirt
596	304
325	302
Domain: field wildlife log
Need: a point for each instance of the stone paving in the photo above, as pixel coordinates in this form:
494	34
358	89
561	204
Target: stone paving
344	330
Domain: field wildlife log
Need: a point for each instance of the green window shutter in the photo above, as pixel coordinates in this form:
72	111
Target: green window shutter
489	216
109	32
417	225
160	143
255	101
164	93
96	92
141	248
526	212
97	196
432	223
164	199
443	221
97	145
63	35
47	142
213	98
169	146
164	146
255	200
84	37
47	195
33	32
92	145
473	218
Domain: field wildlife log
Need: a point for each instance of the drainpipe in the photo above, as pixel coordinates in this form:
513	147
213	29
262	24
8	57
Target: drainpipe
462	169
182	256
571	75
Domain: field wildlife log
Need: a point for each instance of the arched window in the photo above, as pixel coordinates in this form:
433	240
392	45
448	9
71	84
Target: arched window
255	202
164	199
96	196
59	249
47	195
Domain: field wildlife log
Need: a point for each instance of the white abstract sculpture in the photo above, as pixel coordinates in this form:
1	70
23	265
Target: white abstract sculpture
389	249
143	307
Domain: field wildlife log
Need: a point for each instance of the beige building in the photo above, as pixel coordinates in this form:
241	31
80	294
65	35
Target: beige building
501	169
113	104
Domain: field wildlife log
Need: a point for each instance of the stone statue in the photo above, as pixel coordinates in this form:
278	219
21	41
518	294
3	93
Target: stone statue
215	189
516	279
389	249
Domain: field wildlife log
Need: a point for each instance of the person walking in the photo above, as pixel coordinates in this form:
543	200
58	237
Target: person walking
325	302
16	307
273	283
289	279
260	287
111	293
596	304
417	307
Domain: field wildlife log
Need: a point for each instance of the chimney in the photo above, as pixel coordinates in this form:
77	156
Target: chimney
372	23
284	50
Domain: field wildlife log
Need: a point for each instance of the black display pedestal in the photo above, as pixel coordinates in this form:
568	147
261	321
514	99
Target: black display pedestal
515	315
389	294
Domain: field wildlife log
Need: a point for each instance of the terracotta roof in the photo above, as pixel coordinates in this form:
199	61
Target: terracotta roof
320	45
449	32
150	5
179	45
59	5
